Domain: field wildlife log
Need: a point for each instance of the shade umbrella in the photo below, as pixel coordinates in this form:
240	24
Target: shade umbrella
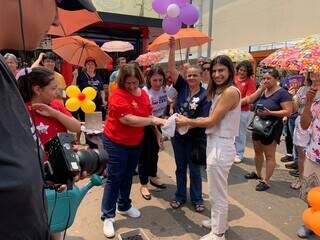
236	55
150	58
308	41
307	60
117	46
185	38
72	21
280	58
75	50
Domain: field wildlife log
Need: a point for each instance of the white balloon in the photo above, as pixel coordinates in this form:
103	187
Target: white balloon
173	10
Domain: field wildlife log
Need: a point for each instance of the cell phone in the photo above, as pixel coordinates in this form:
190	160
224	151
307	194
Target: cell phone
259	106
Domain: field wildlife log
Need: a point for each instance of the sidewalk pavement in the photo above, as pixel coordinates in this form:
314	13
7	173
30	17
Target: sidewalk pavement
271	215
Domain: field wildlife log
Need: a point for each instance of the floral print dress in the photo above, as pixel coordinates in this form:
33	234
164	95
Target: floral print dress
313	148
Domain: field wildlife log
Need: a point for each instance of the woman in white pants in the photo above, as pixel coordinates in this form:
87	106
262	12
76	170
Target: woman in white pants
222	126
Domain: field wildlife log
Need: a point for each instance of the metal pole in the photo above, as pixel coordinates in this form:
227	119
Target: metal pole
210	27
200	26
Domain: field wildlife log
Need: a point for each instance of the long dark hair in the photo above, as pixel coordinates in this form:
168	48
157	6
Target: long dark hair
247	65
212	86
39	76
152	71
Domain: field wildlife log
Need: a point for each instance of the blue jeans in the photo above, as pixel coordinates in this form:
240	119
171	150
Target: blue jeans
241	139
182	154
291	126
122	162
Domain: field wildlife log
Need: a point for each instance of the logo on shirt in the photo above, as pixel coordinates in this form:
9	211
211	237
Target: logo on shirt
134	104
42	129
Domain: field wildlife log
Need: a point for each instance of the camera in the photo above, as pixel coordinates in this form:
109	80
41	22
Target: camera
64	163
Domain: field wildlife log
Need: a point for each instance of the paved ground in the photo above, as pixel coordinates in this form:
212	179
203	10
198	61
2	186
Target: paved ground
271	215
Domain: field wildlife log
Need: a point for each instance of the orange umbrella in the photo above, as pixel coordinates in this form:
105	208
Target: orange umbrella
72	21
75	50
185	38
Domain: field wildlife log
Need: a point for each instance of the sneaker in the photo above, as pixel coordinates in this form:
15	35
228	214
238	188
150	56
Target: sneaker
108	229
293	165
262	186
132	212
206	223
286	158
304	232
212	236
237	159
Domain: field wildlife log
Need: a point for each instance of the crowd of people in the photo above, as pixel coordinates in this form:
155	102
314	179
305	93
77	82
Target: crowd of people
215	102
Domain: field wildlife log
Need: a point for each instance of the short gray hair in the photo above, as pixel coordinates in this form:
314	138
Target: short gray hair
12	56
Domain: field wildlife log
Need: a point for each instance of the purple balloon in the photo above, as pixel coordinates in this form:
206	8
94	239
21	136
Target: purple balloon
180	3
171	25
189	14
160	6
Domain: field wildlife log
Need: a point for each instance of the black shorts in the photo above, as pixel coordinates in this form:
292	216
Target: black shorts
274	136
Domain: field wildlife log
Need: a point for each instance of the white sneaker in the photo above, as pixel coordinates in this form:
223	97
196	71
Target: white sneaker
132	212
212	236
237	159
206	223
108	229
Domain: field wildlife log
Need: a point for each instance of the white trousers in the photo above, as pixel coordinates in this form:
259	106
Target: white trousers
220	156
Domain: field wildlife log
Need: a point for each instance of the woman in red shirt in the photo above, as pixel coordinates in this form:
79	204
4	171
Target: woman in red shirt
39	90
129	112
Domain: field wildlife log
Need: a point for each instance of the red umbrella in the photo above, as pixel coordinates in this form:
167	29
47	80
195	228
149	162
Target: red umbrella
72	21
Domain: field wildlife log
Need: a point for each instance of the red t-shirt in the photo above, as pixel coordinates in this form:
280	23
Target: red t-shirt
246	87
122	103
48	127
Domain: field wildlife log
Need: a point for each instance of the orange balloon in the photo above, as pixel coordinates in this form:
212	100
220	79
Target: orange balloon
307	216
315	223
314	198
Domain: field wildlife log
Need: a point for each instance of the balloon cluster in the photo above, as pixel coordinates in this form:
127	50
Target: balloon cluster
176	12
311	216
82	99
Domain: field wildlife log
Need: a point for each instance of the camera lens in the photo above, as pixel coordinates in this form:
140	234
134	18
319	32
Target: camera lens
93	161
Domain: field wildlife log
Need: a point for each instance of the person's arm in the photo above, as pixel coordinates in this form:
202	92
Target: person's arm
172	61
38	61
228	101
306	116
287	108
70	123
253	97
137	121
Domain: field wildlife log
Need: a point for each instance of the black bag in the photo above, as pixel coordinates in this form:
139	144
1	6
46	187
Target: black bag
261	126
199	147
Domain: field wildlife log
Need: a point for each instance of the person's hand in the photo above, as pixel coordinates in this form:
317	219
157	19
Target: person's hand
44	109
172	43
41	55
262	85
158	121
264	112
310	95
182	121
292	90
61	188
81	176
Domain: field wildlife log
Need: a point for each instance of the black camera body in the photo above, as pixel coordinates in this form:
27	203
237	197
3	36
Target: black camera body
65	163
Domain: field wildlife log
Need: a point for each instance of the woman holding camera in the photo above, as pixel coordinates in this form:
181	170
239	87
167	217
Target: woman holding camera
39	91
271	103
129	112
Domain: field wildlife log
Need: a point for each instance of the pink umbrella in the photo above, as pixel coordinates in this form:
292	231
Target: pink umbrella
117	46
149	58
280	58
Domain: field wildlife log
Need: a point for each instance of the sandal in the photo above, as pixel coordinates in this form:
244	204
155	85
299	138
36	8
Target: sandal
296	185
199	207
175	204
262	186
252	175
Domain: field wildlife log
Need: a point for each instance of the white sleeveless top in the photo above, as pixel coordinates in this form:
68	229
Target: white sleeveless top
228	127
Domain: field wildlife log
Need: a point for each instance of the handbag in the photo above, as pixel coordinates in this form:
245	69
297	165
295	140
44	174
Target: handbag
263	127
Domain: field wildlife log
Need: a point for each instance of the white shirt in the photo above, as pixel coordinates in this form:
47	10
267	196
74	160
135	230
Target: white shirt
158	100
